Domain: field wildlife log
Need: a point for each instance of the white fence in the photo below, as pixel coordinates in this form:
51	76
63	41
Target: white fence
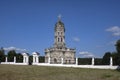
79	66
36	62
67	65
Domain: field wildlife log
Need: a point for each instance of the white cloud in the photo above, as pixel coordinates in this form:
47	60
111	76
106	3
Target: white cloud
86	54
115	30
14	48
76	39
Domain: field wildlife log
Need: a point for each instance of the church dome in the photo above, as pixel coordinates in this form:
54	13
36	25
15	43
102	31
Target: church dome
59	25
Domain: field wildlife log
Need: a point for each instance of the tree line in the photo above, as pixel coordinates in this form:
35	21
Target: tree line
10	55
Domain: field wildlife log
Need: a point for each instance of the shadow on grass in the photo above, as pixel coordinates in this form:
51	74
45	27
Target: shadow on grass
118	69
105	76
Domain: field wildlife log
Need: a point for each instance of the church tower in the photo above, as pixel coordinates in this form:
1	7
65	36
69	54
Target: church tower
59	53
59	38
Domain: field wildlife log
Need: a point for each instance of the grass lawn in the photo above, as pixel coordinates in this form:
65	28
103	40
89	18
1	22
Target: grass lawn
15	72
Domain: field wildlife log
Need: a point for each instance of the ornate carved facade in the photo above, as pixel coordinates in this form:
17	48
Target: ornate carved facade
59	51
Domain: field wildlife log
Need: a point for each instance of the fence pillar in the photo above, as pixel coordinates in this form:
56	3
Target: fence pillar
14	59
93	61
6	59
111	61
76	61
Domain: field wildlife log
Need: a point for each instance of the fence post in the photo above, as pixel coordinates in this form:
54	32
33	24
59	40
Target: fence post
6	59
76	61
111	61
14	59
93	61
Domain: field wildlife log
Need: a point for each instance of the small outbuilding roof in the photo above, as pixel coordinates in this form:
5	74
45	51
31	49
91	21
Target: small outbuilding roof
35	53
25	54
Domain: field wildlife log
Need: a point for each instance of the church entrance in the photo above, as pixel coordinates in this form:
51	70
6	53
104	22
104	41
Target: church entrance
55	60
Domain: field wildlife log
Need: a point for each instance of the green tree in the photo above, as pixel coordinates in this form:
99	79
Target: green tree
11	55
116	58
98	61
42	59
84	61
118	46
2	55
19	57
106	58
116	55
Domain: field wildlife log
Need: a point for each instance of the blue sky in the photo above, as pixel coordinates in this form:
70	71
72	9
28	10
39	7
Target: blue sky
92	26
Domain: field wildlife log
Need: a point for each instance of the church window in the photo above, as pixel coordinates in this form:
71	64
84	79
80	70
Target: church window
58	39
61	39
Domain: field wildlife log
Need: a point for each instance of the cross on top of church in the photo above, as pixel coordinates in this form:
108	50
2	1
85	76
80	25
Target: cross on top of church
59	17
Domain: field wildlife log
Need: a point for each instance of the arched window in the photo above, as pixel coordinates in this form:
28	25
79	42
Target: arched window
61	39
58	39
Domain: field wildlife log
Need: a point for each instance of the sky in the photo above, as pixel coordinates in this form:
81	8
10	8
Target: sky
92	26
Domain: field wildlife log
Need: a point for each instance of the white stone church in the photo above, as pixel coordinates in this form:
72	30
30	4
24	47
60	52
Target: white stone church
59	53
